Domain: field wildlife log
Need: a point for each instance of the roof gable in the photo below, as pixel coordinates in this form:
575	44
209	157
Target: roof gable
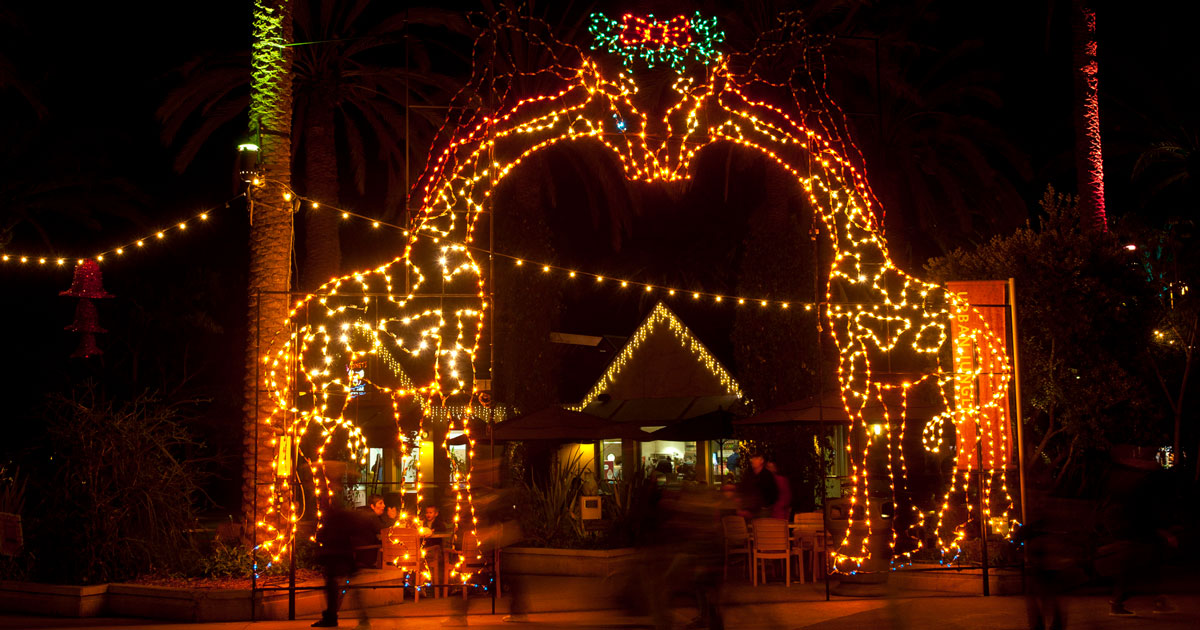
663	359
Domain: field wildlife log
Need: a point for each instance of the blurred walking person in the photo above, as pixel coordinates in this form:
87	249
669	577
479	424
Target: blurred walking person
690	550
1047	562
341	531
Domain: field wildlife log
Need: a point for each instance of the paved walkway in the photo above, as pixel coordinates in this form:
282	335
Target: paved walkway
901	612
767	607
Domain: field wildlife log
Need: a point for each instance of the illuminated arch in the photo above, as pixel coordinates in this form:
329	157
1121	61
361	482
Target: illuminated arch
428	335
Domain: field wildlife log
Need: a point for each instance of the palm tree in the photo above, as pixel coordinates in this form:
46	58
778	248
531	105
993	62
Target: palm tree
1089	157
270	236
45	185
1168	169
913	115
10	77
348	103
944	171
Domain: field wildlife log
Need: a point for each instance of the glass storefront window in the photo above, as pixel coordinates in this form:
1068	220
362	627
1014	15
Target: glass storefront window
611	460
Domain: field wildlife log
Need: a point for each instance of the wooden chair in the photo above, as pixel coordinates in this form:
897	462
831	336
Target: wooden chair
771	542
808	537
737	541
402	551
475	558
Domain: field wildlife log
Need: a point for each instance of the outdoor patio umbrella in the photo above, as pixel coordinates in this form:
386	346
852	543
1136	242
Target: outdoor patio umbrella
714	425
829	410
563	425
825	409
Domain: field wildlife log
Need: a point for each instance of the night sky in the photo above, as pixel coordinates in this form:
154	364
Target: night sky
99	71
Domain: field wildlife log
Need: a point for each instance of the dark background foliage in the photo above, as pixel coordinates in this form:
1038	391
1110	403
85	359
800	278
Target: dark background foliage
115	488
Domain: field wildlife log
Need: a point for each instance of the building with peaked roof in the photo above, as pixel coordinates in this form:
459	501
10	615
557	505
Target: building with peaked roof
662	375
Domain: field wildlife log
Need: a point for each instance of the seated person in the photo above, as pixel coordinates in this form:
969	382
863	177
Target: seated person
367	552
431	521
377	509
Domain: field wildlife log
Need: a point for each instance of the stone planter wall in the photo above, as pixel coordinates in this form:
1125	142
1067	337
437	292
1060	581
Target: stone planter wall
161	602
181	604
52	599
598	563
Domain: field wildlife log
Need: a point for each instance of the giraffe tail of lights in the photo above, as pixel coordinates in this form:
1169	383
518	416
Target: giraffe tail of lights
409	329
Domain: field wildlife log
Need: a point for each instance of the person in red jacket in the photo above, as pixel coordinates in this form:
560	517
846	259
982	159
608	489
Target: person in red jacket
783	504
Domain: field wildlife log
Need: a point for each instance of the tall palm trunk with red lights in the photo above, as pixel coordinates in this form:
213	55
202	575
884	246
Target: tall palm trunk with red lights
1089	158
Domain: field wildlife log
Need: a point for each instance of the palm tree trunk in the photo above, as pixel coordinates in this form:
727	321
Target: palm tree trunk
270	239
1089	158
322	248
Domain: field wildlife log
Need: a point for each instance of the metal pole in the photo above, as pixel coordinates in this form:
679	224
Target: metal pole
824	511
492	358
983	546
721	461
292	546
254	482
814	232
495	488
1012	310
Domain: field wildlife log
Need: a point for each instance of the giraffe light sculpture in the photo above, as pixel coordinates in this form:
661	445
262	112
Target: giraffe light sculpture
890	328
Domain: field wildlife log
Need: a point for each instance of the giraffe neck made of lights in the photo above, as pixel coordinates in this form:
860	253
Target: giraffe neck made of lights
411	327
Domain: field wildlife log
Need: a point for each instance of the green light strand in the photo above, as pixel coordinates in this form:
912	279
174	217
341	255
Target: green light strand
623	39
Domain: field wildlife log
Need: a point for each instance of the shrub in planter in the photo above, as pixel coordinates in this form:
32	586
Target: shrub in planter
226	560
1000	552
631	509
546	508
14	560
114	489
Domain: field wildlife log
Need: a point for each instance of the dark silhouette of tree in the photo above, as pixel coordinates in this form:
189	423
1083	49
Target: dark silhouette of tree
1168	170
1085	315
11	79
1165	237
354	103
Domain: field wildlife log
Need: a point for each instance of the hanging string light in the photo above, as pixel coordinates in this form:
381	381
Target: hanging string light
553	270
155	237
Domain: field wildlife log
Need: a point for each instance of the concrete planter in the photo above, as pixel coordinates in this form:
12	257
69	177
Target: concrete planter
162	602
1000	581
182	604
601	563
52	599
207	605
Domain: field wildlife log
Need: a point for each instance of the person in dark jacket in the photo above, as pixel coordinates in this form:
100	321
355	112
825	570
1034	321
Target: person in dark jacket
758	491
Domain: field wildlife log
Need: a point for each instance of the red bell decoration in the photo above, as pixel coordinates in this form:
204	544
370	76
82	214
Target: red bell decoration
87	320
86	285
87	347
87	281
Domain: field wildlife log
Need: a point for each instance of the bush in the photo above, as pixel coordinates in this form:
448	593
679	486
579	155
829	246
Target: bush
113	489
547	509
631	509
229	560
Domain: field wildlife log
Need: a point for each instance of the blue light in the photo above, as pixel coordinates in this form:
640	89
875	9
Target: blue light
620	122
